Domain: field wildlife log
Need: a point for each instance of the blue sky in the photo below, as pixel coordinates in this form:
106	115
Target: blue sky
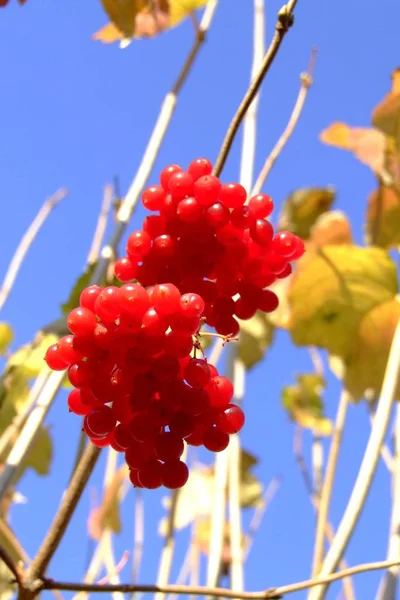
76	113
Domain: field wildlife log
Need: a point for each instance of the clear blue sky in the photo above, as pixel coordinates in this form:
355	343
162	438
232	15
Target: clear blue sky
75	113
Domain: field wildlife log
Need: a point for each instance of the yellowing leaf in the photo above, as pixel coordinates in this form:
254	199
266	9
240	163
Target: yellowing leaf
302	208
30	359
40	454
334	290
365	368
383	218
179	9
6	337
108	34
303	402
106	516
386	116
330	228
256	336
123	14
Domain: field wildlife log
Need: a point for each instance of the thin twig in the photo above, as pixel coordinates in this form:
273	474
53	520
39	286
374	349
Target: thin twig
386	454
138	543
317	460
217	518
389	582
285	20
368	466
278	592
326	492
306	82
101	225
26	242
259	513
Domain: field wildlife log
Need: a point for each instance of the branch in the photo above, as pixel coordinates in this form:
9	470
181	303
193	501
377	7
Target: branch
64	514
217	518
101	225
368	465
326	492
259	513
285	20
7	560
138	535
274	593
306	82
26	242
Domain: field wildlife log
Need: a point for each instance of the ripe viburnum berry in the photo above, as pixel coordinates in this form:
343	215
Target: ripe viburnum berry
205	257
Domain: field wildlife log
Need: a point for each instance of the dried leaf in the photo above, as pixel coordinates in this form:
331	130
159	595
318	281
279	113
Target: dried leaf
6	337
106	516
365	368
331	228
386	116
383	218
304	404
366	143
256	335
334	290
302	208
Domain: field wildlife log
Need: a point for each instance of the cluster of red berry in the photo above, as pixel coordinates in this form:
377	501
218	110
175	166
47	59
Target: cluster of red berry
206	239
206	257
129	360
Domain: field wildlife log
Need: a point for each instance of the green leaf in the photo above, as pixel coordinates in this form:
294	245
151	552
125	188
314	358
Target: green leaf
302	208
333	290
6	337
383	218
256	335
40	454
82	282
30	357
304	404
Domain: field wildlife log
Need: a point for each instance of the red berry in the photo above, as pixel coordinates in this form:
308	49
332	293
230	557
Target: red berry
138	244
107	306
165	299
182	424
102	442
167	173
217	215
286	272
121	438
100	421
80	374
197	373
189	210
154	225
220	391
149	475
284	243
175	474
243	217
153	196
143	427
230	419
192	305
67	350
53	358
300	249
262	232
200	167
215	440
268	301
81	321
180	185
178	343
133	476
165	368
153	323
76	405
125	269
262	205
134	299
164	246
245	308
168	446
88	296
138	454
206	189
232	195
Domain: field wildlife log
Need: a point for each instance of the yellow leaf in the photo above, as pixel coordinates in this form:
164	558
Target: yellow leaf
303	401
365	368
6	337
383	218
107	515
31	358
108	34
330	228
334	290
302	208
179	9
367	144
123	14
256	335
40	454
386	116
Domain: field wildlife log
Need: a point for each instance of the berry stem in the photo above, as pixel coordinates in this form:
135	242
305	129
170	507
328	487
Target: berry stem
226	338
284	22
306	82
26	242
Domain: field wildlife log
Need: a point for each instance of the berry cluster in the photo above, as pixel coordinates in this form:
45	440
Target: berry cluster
204	238
205	256
140	390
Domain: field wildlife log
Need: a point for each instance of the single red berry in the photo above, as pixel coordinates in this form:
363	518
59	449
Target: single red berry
206	189
102	442
175	474
232	195
189	210
200	167
229	235
80	374
180	185
262	206
100	421
182	424
125	269
138	453
81	321
76	405
121	438
286	272
68	351
226	325
183	323
243	217
275	262
197	373
284	243
150	475
107	306
178	343
168	446
166	299
153	323
215	440
220	391
268	301
143	427
88	296
191	305
154	225
134	299
153	196
245	308
138	244
53	358
217	215
167	173
230	419
164	246
165	368
300	249
168	207
133	476
196	438
262	232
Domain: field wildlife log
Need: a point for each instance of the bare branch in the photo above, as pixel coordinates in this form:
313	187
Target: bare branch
138	534
274	593
26	242
7	560
101	225
306	82
285	20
